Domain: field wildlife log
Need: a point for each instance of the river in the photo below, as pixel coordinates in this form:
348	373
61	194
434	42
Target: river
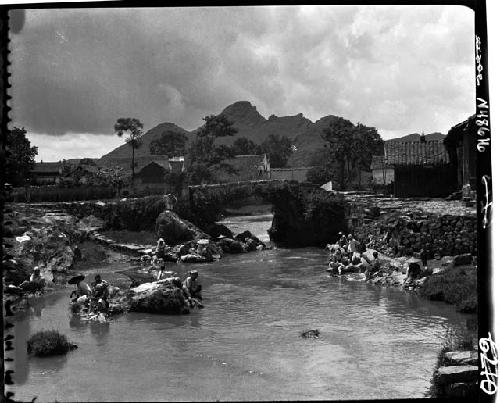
245	345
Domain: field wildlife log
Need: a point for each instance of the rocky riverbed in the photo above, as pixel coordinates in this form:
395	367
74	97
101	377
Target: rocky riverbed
52	240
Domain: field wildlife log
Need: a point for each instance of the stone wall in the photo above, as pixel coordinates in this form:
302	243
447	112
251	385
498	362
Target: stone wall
458	376
132	214
403	235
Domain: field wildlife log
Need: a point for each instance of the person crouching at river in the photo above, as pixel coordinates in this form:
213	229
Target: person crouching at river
373	266
160	249
82	293
191	288
352	246
35	283
100	294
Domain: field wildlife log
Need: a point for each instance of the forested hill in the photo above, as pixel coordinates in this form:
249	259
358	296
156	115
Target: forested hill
123	151
304	134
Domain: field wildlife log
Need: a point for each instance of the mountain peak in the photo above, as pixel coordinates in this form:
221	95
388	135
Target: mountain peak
243	112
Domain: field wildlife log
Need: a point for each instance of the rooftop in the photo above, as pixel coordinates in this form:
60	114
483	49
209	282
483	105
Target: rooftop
431	152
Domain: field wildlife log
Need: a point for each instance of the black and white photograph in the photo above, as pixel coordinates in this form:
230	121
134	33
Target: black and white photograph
247	203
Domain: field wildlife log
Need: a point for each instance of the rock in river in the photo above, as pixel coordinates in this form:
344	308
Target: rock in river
175	230
159	297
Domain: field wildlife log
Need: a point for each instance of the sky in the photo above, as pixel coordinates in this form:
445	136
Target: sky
401	69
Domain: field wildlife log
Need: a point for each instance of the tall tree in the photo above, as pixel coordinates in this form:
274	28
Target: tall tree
133	127
169	143
351	147
204	155
279	149
245	146
20	157
323	167
217	126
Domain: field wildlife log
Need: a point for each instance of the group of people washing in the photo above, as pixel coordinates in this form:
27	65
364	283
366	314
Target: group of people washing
161	254
347	255
94	297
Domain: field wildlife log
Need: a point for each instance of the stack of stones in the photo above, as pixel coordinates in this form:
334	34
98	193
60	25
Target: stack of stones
440	235
458	377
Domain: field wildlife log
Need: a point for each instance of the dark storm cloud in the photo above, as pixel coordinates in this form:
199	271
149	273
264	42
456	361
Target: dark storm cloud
397	68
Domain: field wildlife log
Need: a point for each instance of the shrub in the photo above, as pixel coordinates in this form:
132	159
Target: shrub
49	342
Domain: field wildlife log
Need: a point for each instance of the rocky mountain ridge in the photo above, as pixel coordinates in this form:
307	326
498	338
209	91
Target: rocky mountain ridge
304	133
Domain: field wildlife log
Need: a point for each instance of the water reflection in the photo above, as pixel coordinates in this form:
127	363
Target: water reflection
100	331
76	323
194	320
48	366
21	367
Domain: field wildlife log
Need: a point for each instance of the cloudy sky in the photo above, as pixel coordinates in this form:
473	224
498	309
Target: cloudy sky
402	69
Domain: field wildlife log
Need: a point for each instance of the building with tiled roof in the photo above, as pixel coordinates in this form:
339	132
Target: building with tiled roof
46	173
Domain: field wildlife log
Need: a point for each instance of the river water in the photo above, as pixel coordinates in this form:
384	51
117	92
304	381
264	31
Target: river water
245	345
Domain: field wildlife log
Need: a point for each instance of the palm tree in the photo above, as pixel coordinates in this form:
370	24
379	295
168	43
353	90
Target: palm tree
133	127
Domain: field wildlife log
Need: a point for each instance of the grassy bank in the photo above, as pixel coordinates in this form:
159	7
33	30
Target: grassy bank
456	285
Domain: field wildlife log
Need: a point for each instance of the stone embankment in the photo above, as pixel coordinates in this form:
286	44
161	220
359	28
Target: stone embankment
405	227
407	234
457	376
443	233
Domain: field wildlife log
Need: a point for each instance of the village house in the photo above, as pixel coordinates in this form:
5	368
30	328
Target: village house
416	168
460	144
154	171
46	173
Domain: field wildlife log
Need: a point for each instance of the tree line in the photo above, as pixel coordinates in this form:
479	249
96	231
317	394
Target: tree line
348	149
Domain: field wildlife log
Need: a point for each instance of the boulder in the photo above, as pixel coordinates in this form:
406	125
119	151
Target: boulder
251	245
461	358
456	374
160	298
215	230
230	245
249	241
461	260
194	258
174	229
245	235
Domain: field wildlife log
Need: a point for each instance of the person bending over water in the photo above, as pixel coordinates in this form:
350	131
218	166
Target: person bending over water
100	295
191	287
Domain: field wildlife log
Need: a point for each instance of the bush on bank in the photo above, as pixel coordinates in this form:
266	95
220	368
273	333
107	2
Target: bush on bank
456	285
49	342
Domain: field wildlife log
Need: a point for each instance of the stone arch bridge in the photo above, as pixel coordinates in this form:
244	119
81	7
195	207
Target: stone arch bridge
304	214
224	193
